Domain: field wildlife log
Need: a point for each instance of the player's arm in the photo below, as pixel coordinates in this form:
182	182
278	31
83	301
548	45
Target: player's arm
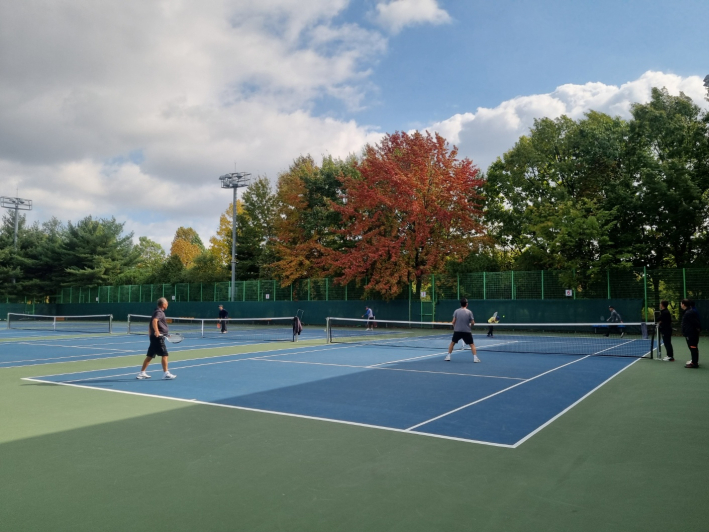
155	327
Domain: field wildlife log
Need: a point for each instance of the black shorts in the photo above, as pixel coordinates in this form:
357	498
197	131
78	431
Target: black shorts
157	347
465	336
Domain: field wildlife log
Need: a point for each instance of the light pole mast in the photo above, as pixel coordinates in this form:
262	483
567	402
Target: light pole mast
234	181
18	204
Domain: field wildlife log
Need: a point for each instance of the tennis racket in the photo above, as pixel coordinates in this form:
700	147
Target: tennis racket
175	338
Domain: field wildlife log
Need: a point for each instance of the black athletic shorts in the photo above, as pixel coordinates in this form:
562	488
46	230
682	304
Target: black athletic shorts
465	336
157	347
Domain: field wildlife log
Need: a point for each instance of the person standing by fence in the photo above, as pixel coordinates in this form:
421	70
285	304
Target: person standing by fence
691	327
665	327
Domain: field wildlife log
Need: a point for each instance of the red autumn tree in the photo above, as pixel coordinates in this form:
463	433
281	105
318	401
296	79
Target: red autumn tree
412	207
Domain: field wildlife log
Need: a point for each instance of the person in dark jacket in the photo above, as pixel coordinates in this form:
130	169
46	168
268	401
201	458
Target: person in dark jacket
223	318
665	328
690	330
614	318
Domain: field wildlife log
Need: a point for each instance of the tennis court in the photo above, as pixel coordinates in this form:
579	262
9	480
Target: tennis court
502	401
350	435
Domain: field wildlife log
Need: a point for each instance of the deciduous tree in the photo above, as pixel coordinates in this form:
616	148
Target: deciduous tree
411	207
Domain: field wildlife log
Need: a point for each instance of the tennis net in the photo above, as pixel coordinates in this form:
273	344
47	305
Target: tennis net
239	329
98	323
601	339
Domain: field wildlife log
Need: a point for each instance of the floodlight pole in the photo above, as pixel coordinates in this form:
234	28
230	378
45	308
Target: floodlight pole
18	204
234	181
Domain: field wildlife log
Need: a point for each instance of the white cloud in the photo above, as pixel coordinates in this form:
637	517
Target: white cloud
134	108
397	14
488	133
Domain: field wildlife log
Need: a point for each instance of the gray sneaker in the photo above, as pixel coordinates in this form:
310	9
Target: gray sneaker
142	376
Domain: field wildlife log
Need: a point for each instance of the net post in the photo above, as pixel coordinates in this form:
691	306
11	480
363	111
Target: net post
202	323
8	320
645	288
128	332
328	334
110	324
54	323
652	343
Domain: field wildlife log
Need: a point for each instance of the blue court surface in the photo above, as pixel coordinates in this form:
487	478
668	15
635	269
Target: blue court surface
31	348
502	401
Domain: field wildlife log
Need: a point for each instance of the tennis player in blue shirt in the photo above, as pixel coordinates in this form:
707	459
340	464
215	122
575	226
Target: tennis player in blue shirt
369	315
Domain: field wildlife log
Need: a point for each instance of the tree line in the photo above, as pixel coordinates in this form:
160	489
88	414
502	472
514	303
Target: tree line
586	195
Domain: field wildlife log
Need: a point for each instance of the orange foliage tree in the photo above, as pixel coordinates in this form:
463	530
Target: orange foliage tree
306	224
412	207
186	245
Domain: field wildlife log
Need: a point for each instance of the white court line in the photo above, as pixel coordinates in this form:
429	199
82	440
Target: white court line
262	353
286	414
496	393
390	369
72	346
565	410
42	361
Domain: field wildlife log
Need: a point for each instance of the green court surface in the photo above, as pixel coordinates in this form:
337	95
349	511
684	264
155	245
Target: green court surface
633	456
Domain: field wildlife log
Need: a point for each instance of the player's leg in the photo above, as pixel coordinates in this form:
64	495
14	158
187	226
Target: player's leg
152	351
164	355
667	341
454	341
473	349
693	344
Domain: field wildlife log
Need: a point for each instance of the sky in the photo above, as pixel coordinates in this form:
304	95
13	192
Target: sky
134	108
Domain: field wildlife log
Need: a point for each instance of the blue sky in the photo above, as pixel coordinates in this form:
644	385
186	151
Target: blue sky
493	51
133	108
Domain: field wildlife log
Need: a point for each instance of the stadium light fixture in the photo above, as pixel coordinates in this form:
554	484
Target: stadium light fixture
19	204
234	181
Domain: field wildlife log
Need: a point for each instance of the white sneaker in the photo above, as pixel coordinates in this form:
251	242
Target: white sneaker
475	358
169	376
447	359
462	347
622	334
143	375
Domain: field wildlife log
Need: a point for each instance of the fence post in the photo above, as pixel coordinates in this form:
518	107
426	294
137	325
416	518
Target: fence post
458	278
573	272
645	286
484	285
346	297
513	283
608	276
243	290
327	289
291	291
542	284
308	288
684	283
258	288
